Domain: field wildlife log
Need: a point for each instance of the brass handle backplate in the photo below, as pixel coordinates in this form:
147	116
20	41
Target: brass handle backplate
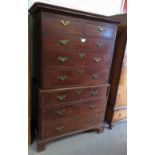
62	78
59	129
65	22
63	42
62	59
100	28
99	44
61	98
78	92
82	55
97	59
94	92
60	112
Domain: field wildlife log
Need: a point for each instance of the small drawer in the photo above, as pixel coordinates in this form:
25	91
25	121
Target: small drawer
59	78
76	42
100	30
119	114
76	108
65	126
51	97
76	59
62	24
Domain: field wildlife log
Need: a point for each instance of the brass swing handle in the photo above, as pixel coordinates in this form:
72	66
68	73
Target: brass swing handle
100	28
59	129
94	92
62	78
60	112
96	76
61	98
65	22
62	59
63	42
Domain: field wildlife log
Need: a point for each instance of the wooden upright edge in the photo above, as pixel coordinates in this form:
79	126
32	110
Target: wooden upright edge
48	7
116	67
29	78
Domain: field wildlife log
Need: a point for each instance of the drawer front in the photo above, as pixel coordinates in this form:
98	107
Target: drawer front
119	115
64	126
100	30
70	110
76	58
51	97
55	78
76	42
62	24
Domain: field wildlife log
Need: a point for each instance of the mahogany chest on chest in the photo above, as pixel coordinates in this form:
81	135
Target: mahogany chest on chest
71	61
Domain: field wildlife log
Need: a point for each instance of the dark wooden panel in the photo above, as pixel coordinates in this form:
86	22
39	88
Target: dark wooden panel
64	126
52	97
75	42
76	58
56	78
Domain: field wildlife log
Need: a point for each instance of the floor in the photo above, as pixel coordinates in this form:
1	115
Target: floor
111	142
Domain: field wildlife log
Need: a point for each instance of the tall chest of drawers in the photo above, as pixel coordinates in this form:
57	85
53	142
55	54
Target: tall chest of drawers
71	61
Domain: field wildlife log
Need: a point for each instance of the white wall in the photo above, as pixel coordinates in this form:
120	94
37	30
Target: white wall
104	7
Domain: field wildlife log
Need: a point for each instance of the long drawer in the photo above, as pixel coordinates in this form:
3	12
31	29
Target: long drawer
76	42
76	58
56	78
52	97
73	109
61	127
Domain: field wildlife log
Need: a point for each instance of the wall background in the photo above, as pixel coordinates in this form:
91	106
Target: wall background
104	7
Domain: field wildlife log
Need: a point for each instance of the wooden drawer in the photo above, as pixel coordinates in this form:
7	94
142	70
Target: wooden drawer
62	24
76	42
55	78
101	30
52	97
75	108
119	115
76	58
64	126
